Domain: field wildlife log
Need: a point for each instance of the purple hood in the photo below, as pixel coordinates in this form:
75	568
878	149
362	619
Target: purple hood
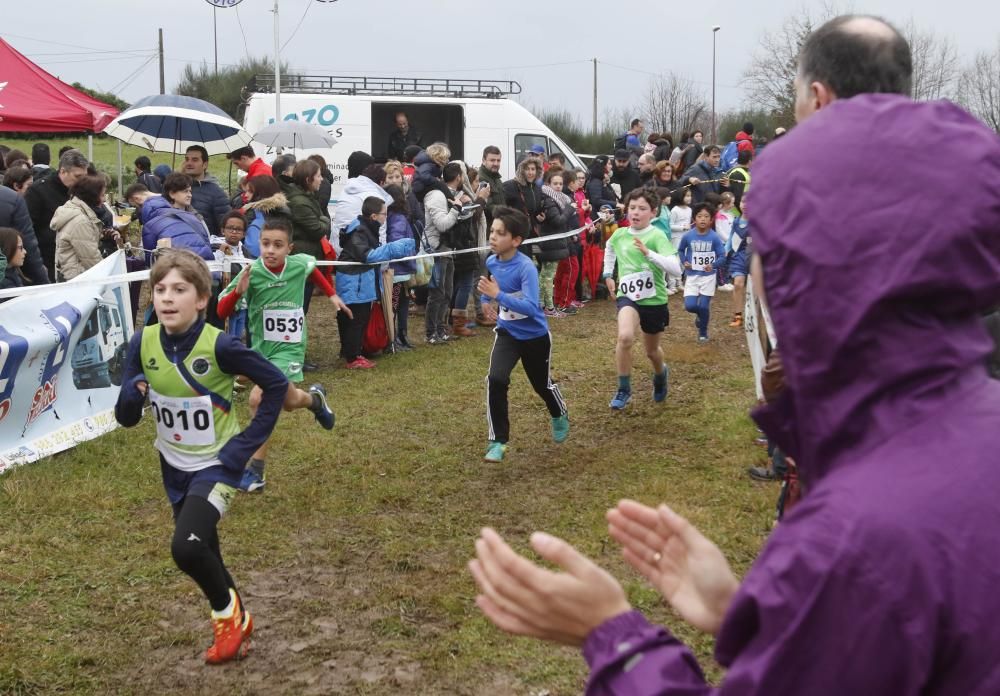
883	579
875	295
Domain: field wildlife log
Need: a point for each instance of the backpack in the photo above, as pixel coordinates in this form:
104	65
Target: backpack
729	156
620	141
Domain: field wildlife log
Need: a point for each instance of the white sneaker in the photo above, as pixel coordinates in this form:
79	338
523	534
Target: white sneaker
728	287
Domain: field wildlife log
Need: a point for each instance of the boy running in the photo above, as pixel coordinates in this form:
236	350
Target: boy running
187	369
645	257
521	333
739	262
702	253
274	287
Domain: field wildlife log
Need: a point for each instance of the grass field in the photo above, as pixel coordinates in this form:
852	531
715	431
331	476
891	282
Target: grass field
353	559
106	156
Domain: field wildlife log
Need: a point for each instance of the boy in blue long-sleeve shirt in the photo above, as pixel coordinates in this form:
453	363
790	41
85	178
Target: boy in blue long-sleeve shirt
522	332
702	253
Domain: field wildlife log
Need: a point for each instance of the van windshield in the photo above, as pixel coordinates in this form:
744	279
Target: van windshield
91	327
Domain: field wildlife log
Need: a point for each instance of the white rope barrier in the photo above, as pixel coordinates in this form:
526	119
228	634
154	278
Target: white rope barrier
217	266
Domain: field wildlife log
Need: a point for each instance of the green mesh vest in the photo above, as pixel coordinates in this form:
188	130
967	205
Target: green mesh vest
274	310
190	401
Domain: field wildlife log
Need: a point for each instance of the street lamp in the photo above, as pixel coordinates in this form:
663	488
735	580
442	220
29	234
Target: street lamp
715	30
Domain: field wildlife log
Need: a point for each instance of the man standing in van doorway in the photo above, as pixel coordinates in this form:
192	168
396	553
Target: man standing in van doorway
489	173
402	137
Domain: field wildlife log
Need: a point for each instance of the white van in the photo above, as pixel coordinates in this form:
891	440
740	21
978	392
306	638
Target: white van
360	113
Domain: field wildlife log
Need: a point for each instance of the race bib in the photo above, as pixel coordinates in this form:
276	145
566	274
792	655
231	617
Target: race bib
700	259
511	315
508	314
283	325
185	421
637	286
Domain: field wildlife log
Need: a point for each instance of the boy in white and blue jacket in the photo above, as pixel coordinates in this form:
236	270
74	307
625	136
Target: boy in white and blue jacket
522	332
702	253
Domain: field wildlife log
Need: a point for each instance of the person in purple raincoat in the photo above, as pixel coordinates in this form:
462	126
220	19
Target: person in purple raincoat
884	578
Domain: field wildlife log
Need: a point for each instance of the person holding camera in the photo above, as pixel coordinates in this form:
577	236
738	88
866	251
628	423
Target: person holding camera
441	215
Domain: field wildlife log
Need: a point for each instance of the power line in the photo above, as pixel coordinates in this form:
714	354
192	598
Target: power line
91	60
86	53
243	33
130	78
296	29
659	74
59	43
459	70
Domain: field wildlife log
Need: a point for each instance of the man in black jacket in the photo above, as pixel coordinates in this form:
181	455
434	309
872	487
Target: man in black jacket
624	174
489	173
703	172
14	213
207	197
44	197
402	137
144	174
41	156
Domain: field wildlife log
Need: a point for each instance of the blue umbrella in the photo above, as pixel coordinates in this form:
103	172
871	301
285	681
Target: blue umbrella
172	123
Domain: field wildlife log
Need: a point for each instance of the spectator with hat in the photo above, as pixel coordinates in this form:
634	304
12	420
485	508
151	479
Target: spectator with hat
624	174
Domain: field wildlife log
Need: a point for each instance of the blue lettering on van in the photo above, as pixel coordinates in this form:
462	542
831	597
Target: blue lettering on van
326	116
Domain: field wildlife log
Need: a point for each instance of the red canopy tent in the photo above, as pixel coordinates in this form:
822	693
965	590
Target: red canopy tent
31	100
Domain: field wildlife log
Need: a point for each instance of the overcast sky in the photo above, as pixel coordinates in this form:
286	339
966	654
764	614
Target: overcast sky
439	38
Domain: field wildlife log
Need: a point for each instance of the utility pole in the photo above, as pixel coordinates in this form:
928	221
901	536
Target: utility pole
163	89
215	37
595	96
715	136
277	68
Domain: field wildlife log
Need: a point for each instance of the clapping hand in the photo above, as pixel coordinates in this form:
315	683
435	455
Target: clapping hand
688	569
525	599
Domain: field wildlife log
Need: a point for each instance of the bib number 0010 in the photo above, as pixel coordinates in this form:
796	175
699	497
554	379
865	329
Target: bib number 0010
188	421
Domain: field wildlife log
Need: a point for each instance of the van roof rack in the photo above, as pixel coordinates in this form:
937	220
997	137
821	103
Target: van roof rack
386	86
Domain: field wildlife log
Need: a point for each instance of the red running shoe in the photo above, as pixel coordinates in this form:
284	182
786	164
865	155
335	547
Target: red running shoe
360	363
230	637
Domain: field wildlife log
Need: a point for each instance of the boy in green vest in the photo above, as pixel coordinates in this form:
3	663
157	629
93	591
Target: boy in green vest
274	286
187	369
645	256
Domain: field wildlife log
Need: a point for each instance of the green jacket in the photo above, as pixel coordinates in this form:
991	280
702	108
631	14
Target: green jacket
496	190
309	222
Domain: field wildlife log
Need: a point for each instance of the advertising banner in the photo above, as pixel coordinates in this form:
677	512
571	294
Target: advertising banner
62	353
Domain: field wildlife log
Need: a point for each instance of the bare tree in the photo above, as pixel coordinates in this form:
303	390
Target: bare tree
771	74
935	63
674	105
979	88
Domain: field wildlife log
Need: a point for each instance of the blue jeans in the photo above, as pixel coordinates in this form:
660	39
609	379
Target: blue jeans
462	287
237	324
